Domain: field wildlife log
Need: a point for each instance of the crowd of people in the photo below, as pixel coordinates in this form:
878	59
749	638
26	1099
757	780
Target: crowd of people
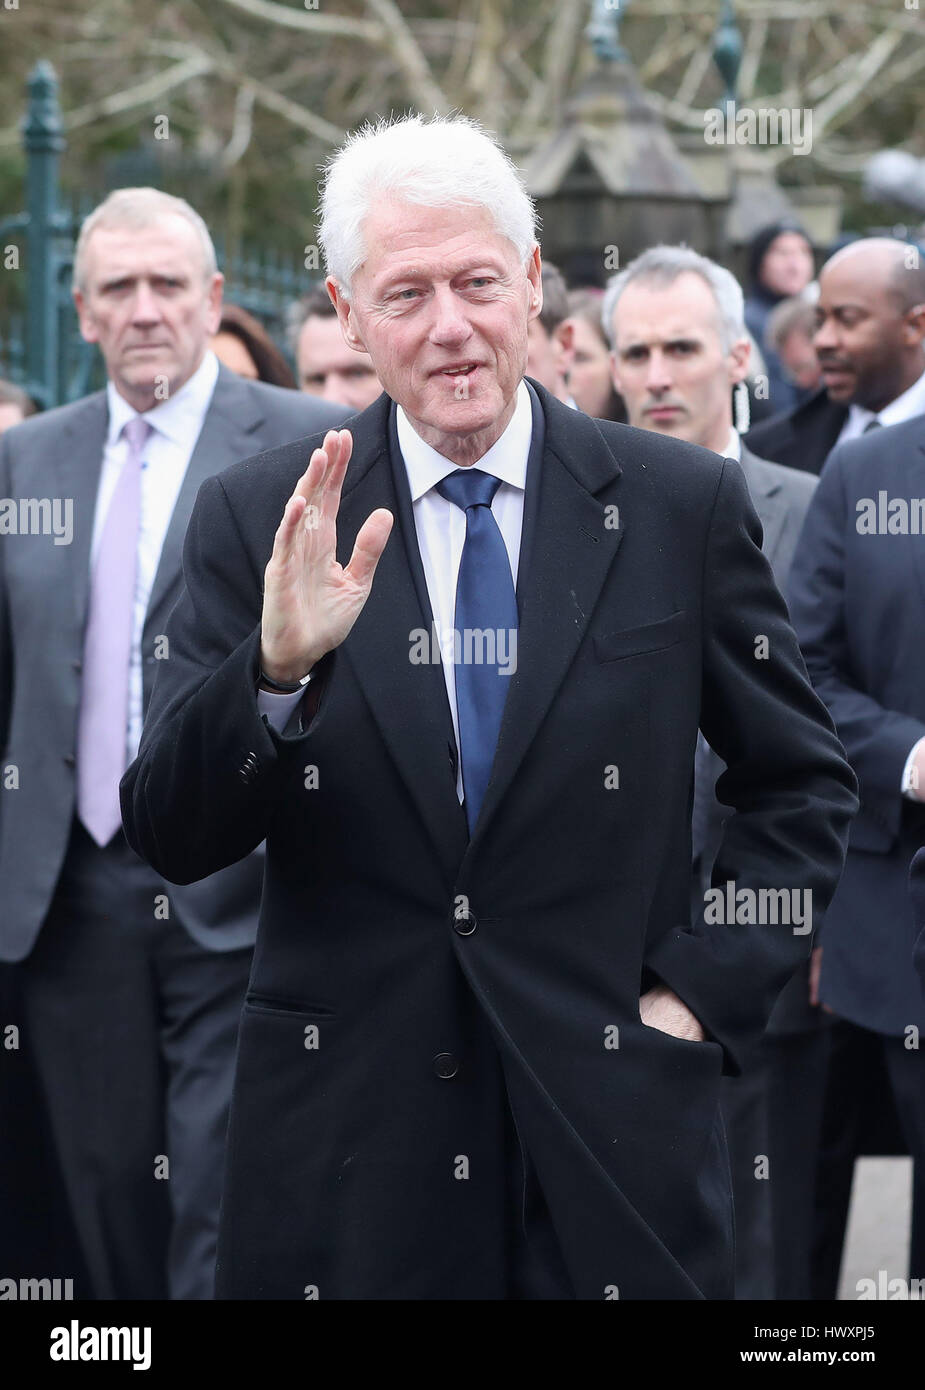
128	954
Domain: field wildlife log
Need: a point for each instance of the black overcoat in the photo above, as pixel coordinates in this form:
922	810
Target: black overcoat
410	983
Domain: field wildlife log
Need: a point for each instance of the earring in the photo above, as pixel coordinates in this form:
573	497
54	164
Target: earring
741	407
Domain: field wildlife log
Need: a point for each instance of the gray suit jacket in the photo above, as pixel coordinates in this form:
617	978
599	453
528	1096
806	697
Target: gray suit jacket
781	497
44	591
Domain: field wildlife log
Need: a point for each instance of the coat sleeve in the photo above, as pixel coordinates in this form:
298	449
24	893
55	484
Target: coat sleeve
202	791
917	889
877	740
786	780
6	637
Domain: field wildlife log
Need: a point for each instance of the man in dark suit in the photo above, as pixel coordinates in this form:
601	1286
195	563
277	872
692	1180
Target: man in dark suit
917	889
481	1051
868	338
128	990
680	351
857	596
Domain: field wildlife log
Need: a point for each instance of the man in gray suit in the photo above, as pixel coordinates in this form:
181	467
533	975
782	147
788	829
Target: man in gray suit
680	349
128	989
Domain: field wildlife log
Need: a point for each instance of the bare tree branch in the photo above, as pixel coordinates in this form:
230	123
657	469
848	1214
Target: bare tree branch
678	43
828	38
296	115
751	58
867	66
422	86
558	60
242	128
483	81
698	63
309	21
140	93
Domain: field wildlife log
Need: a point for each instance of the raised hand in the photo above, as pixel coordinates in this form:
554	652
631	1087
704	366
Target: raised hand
311	602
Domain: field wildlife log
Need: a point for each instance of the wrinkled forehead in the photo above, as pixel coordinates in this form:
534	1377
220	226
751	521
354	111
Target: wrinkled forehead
404	238
167	245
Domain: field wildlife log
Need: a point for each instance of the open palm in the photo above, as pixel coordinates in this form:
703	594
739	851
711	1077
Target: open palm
311	601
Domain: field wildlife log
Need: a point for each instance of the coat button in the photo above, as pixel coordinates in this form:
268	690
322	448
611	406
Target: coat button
445	1065
77	664
70	760
464	923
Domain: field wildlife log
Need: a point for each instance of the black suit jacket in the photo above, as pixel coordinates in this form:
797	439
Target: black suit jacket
803	437
44	592
917	889
858	605
411	983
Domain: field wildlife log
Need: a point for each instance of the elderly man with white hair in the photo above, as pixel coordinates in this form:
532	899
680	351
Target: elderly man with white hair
450	662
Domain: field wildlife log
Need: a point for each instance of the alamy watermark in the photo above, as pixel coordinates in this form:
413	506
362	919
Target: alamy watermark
38	516
761	907
885	1288
890	516
470	646
732	125
86	1343
36	1290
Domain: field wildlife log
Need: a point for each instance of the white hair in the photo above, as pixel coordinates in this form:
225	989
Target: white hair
663	264
436	163
137	208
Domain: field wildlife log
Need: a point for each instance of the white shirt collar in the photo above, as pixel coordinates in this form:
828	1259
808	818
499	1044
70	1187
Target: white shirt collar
179	417
506	459
910	403
733	449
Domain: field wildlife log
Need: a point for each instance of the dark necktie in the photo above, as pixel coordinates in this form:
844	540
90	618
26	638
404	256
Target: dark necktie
873	424
486	631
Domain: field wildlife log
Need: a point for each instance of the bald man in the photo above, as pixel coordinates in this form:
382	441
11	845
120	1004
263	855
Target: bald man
869	332
857	602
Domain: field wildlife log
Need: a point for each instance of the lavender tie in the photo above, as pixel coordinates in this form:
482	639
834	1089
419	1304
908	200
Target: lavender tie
102	727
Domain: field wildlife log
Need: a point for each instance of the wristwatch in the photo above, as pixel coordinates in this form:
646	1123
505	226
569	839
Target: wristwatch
280	688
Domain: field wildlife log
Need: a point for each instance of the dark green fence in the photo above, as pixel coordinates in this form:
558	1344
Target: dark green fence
40	345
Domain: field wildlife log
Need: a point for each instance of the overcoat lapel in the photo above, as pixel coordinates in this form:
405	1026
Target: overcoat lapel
407	698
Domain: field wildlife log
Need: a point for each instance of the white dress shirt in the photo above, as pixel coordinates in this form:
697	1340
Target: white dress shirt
176	423
441	532
909	404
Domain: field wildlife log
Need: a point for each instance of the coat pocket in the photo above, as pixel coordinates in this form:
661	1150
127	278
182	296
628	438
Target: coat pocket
634	641
276	1004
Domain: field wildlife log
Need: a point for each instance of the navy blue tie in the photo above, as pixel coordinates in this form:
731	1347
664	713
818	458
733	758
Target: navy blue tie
486	631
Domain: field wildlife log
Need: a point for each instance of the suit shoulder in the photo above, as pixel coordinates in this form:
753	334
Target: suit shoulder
796	483
661	455
308	410
885	450
279	466
38	430
676	479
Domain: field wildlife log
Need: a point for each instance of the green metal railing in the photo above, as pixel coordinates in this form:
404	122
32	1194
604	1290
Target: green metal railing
40	344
